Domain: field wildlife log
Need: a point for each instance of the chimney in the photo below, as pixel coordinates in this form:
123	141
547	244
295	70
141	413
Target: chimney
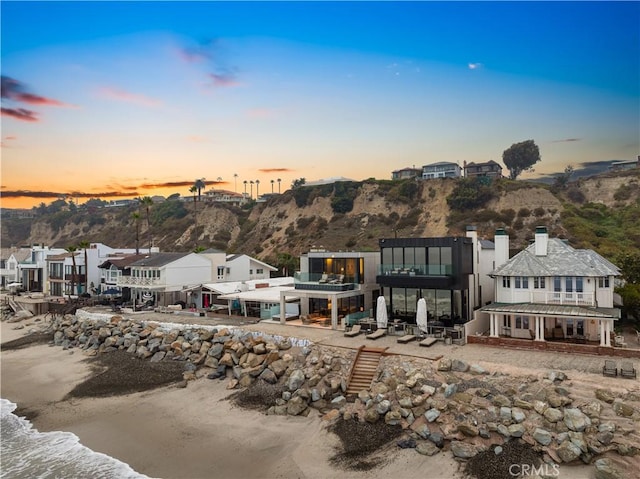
501	241
472	232
542	239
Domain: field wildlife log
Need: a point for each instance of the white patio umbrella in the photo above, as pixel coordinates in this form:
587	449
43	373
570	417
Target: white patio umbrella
421	316
381	313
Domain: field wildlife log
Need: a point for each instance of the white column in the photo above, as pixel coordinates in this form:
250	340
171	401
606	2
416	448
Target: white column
494	325
602	337
283	308
608	329
537	338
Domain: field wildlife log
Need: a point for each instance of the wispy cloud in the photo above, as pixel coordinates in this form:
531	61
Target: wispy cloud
15	91
211	53
57	194
566	140
129	97
225	79
5	141
261	113
475	66
275	170
20	114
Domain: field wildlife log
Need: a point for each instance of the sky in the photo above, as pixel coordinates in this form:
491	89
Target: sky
124	99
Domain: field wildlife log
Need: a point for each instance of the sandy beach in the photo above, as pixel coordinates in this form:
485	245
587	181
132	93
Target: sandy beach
191	432
172	431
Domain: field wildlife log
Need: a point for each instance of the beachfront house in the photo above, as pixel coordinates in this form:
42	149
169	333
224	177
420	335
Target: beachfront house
63	279
450	273
241	267
552	292
10	258
32	268
165	278
333	288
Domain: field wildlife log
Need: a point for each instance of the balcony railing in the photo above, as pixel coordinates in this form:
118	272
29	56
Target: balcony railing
323	281
415	269
561	297
136	281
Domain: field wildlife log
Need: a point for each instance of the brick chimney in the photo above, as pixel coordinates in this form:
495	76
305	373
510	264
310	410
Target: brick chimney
501	241
541	241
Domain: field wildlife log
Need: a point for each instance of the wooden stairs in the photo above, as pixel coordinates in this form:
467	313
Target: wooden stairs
364	368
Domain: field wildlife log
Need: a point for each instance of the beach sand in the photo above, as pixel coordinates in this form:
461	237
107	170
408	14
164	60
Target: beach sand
192	432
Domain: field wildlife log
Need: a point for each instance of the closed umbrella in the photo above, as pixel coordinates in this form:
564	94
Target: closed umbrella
421	316
381	313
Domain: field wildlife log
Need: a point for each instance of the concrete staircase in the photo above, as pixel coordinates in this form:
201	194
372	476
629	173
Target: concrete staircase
364	369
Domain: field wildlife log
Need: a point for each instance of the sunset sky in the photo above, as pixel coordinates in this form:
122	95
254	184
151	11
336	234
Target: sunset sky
126	99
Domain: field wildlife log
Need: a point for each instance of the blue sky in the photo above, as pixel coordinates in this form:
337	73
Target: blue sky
135	98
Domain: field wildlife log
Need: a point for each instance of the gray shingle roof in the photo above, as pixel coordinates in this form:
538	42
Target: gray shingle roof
561	260
550	310
159	259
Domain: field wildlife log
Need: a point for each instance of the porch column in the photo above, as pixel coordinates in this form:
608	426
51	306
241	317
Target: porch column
608	328
334	317
537	338
603	338
283	308
493	321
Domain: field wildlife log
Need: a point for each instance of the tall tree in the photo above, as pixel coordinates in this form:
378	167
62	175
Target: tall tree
194	190
286	263
84	244
521	157
147	202
72	249
136	217
199	185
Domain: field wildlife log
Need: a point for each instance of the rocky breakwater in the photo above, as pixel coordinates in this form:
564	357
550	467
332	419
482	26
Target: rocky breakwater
449	406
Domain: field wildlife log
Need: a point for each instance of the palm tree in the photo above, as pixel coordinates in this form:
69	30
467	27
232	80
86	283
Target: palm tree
136	217
279	180
251	182
194	190
147	202
245	186
257	186
84	244
72	249
199	185
235	182
272	182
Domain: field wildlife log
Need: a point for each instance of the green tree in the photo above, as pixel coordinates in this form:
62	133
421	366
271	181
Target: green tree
298	182
84	245
562	180
629	264
199	186
146	203
521	157
194	190
136	217
286	263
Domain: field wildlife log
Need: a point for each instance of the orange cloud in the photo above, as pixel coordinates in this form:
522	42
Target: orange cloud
276	170
21	114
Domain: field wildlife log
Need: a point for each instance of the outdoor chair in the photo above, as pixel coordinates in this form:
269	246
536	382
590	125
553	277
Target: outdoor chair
428	342
627	370
406	338
324	278
355	330
378	333
609	368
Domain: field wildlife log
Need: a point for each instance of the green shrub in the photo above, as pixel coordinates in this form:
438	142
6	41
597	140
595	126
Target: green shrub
470	193
524	212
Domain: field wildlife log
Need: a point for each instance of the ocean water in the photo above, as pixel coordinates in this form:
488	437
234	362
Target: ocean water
27	453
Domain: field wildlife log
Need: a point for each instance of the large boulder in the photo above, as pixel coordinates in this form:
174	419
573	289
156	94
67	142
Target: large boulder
606	470
576	420
463	450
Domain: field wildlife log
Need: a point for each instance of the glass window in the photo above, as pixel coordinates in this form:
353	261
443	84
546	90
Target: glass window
569	323
506	282
557	283
398	257
421	258
517	282
409	257
446	260
603	282
568	284
434	261
538	282
387	257
579	284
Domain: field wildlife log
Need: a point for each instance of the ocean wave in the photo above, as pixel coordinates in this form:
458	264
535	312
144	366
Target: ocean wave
28	453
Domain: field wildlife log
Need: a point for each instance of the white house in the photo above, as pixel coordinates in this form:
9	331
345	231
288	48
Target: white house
165	277
10	258
551	291
240	267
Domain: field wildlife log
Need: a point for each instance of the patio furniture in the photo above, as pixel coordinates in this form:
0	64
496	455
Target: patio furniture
609	368
378	333
627	370
619	341
357	329
428	342
407	338
324	278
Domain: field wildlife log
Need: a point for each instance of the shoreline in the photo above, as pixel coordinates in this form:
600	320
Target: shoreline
196	431
193	432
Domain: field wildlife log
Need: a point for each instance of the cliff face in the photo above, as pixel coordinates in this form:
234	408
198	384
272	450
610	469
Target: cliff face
350	216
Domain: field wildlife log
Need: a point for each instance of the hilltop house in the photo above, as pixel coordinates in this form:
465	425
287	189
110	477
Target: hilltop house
406	173
489	169
442	169
551	291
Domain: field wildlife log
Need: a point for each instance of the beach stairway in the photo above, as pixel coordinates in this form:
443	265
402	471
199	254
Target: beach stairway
364	368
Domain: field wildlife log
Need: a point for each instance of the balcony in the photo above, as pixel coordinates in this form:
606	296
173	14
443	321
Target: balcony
323	282
561	297
137	282
415	270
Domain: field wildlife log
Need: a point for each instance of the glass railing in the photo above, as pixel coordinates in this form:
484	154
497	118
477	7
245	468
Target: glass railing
415	269
322	278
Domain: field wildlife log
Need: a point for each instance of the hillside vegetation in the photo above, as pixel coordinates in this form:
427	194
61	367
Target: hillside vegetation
602	213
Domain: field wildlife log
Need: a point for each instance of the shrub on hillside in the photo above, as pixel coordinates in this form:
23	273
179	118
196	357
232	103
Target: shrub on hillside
470	193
